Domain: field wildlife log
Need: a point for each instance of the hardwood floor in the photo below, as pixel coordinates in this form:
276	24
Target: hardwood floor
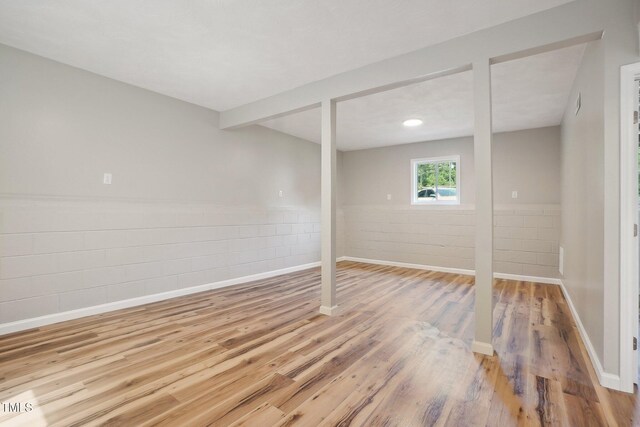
260	354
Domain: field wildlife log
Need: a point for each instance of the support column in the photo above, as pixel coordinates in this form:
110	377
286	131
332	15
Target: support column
482	139
328	303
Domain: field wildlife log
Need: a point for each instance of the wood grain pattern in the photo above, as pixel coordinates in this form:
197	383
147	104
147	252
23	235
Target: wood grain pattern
260	354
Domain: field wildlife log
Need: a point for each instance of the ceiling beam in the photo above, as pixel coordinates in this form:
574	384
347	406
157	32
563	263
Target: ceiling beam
577	22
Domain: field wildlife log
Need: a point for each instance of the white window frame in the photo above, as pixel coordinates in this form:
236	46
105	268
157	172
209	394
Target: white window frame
414	180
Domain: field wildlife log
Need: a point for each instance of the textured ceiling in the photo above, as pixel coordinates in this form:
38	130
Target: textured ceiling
224	53
527	93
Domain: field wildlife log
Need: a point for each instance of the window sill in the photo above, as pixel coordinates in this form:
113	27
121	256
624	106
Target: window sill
438	207
457	203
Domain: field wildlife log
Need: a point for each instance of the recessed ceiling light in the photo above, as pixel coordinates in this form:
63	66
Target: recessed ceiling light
412	122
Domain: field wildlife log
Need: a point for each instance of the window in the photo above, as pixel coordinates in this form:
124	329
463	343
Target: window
434	181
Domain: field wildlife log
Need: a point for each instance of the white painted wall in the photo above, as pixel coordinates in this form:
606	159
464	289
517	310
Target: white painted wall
620	47
527	161
526	237
526	229
190	204
591	163
62	128
583	196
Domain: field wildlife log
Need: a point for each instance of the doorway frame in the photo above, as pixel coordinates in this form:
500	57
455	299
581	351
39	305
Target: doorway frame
629	251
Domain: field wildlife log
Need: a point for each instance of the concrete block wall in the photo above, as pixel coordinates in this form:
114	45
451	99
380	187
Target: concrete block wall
60	255
525	237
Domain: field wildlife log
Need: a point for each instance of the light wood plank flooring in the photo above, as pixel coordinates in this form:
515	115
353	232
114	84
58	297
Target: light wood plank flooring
259	354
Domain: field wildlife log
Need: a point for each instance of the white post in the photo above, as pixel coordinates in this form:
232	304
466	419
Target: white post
328	304
484	208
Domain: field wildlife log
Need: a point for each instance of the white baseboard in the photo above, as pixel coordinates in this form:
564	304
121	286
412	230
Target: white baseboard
482	348
523	278
329	311
606	379
409	265
49	319
467	272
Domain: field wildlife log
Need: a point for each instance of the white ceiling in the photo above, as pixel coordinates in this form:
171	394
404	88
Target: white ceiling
527	93
224	53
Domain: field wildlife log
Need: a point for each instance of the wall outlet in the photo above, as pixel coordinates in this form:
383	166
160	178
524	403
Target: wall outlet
514	194
280	193
388	196
107	178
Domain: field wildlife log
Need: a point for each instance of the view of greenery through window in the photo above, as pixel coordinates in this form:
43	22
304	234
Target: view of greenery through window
437	180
